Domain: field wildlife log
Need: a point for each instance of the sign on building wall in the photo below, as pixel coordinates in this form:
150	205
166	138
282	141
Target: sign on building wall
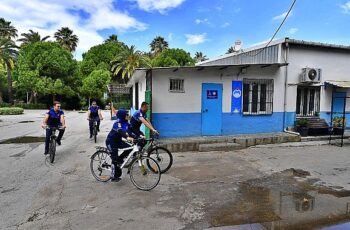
212	94
236	106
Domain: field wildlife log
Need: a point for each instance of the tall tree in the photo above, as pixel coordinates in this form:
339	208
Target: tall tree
199	57
173	57
128	60
67	39
7	30
8	51
94	85
8	54
31	37
112	38
158	45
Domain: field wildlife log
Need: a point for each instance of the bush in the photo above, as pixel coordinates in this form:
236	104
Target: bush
302	122
11	111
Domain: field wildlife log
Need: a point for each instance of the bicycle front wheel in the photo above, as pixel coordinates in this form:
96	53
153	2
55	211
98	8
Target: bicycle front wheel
101	166
52	150
142	176
162	156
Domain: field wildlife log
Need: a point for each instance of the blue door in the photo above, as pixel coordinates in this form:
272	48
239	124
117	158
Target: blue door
211	109
338	104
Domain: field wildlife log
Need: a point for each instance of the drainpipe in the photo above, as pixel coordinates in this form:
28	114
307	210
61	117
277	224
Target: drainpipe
286	53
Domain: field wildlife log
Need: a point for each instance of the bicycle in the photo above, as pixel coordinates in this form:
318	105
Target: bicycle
161	154
52	143
94	129
141	168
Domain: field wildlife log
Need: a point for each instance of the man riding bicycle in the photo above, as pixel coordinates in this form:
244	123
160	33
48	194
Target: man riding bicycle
114	142
54	118
94	114
139	118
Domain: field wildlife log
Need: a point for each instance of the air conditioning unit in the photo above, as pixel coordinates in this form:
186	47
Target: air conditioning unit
310	75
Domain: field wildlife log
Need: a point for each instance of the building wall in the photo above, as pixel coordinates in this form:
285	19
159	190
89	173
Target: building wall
334	64
142	90
179	114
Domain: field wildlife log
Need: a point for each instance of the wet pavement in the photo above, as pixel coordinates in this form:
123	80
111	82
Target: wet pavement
276	187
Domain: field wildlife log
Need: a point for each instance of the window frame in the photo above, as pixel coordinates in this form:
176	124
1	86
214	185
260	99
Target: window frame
179	90
268	98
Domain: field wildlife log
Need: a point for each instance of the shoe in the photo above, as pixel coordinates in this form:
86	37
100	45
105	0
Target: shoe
116	179
45	153
58	142
90	136
98	129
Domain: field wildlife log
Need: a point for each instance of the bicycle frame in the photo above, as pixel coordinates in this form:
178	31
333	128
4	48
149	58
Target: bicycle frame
134	149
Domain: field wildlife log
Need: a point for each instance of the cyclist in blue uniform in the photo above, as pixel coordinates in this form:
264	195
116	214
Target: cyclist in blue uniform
139	118
54	118
114	142
94	114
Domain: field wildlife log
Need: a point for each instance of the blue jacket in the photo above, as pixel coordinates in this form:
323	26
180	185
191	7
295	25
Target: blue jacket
54	118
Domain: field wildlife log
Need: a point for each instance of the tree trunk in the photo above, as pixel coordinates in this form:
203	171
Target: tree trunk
35	95
9	82
53	97
30	101
1	100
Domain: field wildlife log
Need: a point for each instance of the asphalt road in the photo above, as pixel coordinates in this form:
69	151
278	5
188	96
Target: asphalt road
37	195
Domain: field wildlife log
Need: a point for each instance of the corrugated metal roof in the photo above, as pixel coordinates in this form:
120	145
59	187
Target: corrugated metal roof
262	55
341	84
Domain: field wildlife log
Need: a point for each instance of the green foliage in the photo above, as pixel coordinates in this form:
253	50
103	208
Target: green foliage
128	60
31	37
47	68
11	111
302	122
96	55
96	83
158	45
67	39
173	57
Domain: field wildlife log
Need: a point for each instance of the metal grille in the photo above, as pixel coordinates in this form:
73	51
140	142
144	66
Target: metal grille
257	96
176	86
308	101
116	89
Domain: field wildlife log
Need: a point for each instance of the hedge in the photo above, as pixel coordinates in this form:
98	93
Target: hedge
25	106
11	111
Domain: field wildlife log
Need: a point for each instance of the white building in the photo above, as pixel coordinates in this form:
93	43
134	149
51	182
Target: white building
259	90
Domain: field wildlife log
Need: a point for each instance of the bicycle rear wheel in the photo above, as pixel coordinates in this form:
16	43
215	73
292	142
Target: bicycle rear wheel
52	150
101	166
162	156
142	176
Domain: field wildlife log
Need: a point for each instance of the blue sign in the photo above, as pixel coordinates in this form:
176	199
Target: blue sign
212	94
236	106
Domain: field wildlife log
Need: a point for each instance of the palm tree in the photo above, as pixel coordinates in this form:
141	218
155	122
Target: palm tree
31	37
8	53
67	39
112	38
158	45
127	61
199	57
7	30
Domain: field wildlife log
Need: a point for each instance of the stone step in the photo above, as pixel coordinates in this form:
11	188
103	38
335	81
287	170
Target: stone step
219	147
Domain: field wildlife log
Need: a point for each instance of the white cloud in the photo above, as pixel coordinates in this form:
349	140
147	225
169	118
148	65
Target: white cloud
46	17
195	39
293	30
201	21
158	5
282	16
346	7
226	24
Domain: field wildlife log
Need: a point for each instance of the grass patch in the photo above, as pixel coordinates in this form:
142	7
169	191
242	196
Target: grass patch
11	111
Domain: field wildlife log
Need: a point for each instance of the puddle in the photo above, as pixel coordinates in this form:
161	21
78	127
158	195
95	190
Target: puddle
283	201
23	140
25	121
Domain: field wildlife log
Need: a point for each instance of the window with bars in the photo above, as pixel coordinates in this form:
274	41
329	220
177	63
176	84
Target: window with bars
257	96
177	86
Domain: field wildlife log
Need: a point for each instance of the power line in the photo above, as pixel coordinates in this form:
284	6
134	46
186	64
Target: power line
274	35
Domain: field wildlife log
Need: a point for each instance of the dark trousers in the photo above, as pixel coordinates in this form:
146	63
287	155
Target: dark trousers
48	135
91	122
113	148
